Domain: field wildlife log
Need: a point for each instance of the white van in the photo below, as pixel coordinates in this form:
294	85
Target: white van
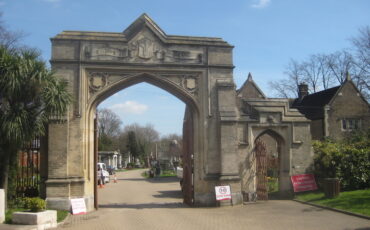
105	172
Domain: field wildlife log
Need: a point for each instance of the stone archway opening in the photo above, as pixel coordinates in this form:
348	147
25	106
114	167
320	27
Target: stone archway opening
269	147
188	127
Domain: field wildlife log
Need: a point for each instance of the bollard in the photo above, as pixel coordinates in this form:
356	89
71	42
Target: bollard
2	206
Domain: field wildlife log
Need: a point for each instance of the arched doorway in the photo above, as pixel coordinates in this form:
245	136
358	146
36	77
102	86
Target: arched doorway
189	130
197	70
268	154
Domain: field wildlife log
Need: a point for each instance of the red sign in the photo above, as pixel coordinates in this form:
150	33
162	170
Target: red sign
303	182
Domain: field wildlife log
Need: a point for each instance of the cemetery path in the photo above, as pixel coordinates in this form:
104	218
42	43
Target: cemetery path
156	204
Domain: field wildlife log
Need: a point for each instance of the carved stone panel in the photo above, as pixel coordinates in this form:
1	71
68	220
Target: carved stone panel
143	48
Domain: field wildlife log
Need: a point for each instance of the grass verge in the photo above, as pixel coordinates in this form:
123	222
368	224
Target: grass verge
168	173
352	201
61	215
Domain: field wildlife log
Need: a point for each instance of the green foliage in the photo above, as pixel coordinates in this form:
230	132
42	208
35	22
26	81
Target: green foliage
34	204
348	160
132	145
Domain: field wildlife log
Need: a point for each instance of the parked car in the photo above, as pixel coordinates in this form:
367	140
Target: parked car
105	172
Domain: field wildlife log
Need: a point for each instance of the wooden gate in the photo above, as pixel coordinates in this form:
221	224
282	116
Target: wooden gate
261	169
187	158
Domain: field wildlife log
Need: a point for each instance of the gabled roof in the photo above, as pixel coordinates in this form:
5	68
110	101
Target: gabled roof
249	83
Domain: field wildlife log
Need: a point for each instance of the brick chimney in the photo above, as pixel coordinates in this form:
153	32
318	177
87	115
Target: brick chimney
302	91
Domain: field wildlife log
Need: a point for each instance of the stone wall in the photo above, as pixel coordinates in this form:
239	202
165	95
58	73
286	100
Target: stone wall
347	104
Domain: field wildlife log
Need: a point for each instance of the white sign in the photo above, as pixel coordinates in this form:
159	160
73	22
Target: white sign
78	206
223	192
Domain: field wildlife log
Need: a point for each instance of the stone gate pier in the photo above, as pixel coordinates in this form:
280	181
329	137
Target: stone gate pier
221	126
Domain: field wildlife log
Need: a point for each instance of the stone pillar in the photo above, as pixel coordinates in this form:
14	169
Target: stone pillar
2	206
228	139
57	184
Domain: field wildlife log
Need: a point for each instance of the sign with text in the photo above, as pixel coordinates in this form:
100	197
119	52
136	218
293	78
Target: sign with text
78	206
223	192
303	182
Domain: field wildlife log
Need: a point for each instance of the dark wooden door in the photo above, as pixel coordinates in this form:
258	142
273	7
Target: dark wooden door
187	158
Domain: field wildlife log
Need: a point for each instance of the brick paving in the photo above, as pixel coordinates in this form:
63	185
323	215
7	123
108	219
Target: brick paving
156	204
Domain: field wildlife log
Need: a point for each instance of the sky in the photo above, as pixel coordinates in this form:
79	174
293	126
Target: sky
266	34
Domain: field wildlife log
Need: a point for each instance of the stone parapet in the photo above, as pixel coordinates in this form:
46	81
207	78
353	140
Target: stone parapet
44	220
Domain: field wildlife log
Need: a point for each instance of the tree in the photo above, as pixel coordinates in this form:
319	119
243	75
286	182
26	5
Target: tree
30	95
171	145
109	129
132	146
322	71
362	53
145	138
9	39
362	47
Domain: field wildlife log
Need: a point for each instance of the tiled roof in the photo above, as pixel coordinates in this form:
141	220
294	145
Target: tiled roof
320	98
312	105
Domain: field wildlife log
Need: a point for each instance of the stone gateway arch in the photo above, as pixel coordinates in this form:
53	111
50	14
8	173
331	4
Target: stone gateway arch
220	123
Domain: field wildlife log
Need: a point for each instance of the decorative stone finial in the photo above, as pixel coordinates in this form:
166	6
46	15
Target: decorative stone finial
348	77
249	77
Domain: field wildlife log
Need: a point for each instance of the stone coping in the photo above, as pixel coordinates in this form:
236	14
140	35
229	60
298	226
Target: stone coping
42	220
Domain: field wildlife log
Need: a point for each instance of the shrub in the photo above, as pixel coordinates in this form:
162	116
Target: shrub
347	159
34	204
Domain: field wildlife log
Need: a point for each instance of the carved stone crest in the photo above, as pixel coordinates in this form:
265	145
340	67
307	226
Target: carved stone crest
189	82
145	48
97	81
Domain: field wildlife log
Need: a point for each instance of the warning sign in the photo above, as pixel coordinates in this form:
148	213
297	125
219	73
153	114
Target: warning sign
223	192
78	206
303	182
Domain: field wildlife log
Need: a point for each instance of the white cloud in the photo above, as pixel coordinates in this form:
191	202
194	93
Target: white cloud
259	4
129	107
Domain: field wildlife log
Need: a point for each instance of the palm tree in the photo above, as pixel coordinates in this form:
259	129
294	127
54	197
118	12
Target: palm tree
29	96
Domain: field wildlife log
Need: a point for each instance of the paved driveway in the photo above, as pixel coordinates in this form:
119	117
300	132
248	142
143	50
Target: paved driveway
138	203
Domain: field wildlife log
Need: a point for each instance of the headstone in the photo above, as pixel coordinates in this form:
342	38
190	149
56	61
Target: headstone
2	205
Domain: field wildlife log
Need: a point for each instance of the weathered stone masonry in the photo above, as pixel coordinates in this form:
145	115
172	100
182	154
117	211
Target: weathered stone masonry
197	70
